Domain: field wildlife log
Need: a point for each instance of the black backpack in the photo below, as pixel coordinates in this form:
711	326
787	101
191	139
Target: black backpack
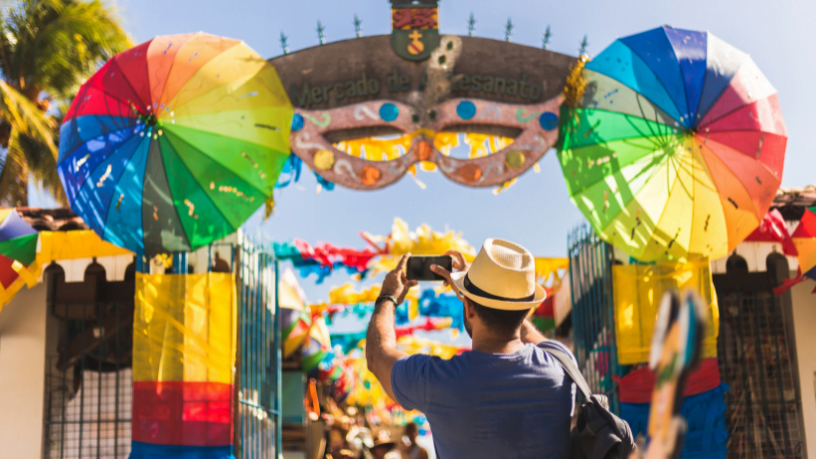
598	434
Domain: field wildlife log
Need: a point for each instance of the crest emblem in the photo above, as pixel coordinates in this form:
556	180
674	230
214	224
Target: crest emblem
414	28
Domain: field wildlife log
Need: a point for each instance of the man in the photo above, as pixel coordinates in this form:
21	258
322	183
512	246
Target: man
508	397
412	450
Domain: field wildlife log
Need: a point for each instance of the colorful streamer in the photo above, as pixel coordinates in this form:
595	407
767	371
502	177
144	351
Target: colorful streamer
184	335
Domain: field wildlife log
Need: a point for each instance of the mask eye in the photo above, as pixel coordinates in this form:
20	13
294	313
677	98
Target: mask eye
467	141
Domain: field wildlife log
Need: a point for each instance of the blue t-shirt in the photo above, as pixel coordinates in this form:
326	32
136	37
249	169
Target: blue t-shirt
491	406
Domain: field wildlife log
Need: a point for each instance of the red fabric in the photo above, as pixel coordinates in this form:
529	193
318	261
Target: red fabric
772	229
111	80
7	273
182	413
637	386
133	63
763	115
327	255
92	101
547	307
807	226
429	325
769	149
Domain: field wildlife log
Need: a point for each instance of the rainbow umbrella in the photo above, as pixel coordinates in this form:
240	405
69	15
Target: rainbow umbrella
672	144
804	238
175	143
18	246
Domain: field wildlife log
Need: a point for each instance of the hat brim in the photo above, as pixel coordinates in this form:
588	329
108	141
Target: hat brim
540	295
388	444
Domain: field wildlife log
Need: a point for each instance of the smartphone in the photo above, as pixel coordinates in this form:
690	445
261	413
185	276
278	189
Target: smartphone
419	268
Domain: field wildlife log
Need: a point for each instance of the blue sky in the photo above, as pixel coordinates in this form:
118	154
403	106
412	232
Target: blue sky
536	211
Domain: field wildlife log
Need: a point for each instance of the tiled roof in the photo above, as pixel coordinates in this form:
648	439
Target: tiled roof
59	219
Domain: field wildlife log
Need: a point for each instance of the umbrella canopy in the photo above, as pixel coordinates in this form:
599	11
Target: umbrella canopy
804	238
18	246
175	143
675	148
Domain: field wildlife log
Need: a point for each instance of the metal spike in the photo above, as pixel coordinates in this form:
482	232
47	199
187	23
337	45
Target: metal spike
284	44
358	26
321	37
546	40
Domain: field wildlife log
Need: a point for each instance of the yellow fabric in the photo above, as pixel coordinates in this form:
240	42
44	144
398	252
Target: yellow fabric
548	268
184	327
638	291
55	246
345	295
70	245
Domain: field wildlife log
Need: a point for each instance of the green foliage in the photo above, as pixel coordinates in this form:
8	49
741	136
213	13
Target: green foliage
47	50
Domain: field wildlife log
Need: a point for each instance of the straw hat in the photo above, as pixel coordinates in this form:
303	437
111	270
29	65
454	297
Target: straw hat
501	277
384	441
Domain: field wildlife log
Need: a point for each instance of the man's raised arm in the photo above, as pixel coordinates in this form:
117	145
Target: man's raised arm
381	340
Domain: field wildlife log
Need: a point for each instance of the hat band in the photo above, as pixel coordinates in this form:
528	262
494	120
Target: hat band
472	288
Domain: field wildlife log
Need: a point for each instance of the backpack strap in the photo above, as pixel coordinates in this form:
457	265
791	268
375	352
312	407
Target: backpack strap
572	371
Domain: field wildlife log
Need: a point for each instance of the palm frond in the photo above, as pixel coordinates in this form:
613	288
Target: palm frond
25	118
14	176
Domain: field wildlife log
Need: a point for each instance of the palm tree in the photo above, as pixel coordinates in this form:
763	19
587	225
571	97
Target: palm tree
47	49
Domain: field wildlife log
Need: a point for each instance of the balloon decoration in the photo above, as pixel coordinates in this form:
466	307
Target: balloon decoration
672	144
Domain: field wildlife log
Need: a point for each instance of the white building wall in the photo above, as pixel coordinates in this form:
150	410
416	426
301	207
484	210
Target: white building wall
22	368
804	318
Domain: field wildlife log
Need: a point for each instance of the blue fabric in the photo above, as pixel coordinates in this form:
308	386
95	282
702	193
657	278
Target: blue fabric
123	224
491	405
141	450
290	172
433	305
690	47
619	62
654	48
707	435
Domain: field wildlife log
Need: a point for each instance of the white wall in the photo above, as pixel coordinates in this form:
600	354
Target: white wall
804	318
22	369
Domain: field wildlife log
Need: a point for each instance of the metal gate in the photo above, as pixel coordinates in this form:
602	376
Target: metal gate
258	371
763	406
89	384
593	321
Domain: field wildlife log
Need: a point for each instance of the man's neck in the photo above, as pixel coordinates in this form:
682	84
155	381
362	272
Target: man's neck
492	344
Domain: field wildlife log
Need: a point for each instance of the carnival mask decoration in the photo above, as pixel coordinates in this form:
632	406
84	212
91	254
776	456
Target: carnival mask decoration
423	127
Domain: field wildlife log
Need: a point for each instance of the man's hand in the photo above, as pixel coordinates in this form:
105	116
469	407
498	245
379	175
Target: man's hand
381	339
459	264
396	283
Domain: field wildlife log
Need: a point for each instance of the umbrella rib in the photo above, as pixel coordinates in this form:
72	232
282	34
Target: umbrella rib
655	75
170	102
682	76
175	209
214	205
129	158
182	139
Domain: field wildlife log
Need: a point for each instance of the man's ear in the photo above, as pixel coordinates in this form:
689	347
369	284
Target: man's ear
470	311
